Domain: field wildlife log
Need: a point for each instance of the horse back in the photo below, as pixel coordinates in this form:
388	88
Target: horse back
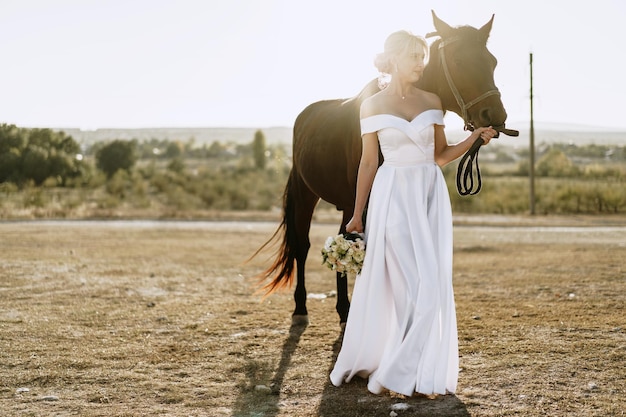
327	149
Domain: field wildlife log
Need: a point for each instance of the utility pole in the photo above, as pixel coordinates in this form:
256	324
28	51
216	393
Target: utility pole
531	171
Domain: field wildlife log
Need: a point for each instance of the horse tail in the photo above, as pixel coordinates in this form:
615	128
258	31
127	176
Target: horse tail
282	270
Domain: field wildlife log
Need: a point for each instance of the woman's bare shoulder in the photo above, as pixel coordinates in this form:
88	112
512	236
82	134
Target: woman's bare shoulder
372	105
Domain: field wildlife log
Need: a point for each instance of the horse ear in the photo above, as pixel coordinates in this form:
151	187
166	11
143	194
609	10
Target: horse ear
443	29
486	29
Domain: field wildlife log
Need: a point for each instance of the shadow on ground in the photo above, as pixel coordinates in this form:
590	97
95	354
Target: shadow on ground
267	405
350	400
354	400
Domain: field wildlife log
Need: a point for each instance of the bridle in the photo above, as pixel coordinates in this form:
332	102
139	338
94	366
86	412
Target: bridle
464	176
469	124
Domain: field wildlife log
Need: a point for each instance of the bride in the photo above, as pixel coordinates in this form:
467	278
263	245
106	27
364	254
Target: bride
401	332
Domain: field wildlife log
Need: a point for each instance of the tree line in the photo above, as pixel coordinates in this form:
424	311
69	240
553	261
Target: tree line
43	168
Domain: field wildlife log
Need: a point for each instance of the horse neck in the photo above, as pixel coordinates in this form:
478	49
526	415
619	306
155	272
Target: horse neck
369	90
434	80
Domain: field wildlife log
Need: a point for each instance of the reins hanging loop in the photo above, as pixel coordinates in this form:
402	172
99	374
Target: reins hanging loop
469	163
465	171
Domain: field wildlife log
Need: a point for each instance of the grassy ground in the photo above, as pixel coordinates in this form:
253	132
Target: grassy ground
145	318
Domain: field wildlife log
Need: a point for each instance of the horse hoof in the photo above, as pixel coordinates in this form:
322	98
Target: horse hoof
300	320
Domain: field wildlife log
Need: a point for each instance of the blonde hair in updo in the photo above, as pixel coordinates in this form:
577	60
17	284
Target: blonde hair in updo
398	43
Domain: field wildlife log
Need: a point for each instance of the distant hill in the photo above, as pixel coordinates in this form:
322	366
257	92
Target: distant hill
570	135
282	135
200	135
552	133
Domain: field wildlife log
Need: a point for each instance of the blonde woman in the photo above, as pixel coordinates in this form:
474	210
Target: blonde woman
401	332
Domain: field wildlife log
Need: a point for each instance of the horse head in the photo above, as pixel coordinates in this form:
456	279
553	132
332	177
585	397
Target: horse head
460	71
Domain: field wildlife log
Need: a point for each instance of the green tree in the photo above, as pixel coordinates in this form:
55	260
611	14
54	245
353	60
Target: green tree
37	154
216	150
116	155
12	137
35	164
10	161
259	149
176	165
174	150
556	164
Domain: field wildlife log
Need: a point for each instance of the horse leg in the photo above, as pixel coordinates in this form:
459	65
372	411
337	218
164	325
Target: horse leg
343	303
304	203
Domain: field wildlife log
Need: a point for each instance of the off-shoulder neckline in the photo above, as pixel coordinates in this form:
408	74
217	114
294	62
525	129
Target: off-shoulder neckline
400	117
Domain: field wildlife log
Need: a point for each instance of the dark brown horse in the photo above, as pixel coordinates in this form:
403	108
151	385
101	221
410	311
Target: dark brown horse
327	148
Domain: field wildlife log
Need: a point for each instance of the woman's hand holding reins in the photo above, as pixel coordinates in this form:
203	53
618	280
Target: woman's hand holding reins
486	134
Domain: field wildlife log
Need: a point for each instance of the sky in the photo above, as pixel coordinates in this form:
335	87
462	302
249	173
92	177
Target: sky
93	64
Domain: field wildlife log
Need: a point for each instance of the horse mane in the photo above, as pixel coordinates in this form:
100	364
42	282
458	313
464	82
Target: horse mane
370	89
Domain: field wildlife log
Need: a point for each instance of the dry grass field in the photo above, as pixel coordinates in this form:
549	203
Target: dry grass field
161	319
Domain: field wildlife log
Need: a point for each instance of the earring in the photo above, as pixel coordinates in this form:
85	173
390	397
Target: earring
383	80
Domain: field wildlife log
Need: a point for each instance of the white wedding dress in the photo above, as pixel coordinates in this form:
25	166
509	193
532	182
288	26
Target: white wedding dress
401	330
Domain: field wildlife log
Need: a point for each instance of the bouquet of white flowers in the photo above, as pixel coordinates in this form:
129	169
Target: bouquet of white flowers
344	253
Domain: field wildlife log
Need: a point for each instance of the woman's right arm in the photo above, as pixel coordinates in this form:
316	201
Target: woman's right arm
367	170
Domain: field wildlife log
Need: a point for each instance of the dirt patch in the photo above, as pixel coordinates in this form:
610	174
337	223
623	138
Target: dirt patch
150	318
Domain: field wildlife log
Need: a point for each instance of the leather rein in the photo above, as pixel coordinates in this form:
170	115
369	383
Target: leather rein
469	161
